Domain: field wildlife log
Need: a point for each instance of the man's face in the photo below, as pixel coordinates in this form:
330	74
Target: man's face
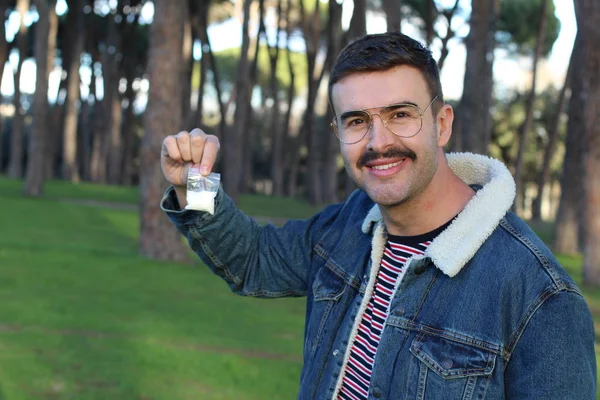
389	168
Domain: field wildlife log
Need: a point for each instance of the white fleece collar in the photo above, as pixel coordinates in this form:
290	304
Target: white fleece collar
457	244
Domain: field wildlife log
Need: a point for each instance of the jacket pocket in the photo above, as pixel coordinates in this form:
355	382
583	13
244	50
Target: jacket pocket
450	369
327	286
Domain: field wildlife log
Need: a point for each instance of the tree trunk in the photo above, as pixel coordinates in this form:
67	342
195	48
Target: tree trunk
449	34
69	155
254	126
198	21
393	14
45	46
544	175
569	217
430	18
3	59
312	31
215	70
129	133
187	66
158	238
588	23
529	109
87	128
358	22
115	151
112	153
473	123
98	161
15	166
331	148
53	141
292	165
233	150
84	140
276	131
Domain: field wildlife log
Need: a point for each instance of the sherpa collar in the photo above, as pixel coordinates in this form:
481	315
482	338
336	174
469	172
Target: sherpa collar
457	244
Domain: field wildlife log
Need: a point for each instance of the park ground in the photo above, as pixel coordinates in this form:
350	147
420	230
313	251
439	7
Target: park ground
83	316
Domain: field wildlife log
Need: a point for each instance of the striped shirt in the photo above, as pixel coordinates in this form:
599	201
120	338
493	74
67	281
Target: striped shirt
357	374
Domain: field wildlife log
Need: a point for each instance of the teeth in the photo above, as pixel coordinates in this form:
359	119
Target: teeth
386	166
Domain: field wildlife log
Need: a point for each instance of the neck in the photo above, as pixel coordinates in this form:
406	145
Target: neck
444	197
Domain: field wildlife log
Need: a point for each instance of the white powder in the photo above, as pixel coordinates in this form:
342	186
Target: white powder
201	201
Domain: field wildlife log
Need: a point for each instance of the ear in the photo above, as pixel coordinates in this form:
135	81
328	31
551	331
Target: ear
444	122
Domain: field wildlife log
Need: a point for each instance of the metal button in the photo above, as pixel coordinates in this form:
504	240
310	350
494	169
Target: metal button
447	364
377	393
336	353
420	269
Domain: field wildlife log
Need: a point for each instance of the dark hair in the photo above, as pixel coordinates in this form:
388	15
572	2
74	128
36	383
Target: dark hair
380	52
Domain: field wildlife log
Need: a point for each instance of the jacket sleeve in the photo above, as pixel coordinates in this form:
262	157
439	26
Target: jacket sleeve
254	260
555	357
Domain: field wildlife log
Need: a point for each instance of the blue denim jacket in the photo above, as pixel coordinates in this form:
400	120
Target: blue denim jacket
486	313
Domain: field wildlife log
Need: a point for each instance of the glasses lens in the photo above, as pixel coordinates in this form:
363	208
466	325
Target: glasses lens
402	119
352	126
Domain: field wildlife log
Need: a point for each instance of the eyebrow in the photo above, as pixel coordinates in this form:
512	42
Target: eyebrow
349	113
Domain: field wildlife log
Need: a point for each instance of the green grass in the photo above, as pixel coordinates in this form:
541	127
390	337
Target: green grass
260	205
82	316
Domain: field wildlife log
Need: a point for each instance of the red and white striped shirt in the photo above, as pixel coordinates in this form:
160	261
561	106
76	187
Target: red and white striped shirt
357	374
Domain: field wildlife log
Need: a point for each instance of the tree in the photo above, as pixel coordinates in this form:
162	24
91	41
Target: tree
45	46
566	237
15	167
158	238
276	130
76	38
233	141
429	12
473	119
311	27
544	173
393	14
526	126
3	58
588	23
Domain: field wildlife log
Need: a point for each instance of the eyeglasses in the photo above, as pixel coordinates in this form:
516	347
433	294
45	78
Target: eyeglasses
403	120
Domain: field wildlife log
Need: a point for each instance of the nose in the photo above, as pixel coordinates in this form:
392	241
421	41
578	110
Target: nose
379	136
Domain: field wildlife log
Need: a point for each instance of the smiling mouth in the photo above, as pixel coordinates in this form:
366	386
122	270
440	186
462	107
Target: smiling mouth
385	166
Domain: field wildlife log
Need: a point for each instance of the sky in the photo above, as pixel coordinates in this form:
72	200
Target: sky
508	70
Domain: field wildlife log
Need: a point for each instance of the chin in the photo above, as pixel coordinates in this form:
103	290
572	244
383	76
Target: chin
386	198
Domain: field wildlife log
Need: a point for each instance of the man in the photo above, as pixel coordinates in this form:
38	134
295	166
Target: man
422	285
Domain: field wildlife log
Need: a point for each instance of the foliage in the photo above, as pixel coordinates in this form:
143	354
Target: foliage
518	24
509	113
227	61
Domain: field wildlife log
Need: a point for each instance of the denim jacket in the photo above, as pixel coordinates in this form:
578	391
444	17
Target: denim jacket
486	313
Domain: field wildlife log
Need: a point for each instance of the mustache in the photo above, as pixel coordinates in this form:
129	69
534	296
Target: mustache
394	152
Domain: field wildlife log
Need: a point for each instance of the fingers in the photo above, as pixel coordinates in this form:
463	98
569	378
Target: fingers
184	144
209	156
192	147
197	139
170	149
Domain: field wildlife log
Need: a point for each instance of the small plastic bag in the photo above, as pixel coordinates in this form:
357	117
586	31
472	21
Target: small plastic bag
201	190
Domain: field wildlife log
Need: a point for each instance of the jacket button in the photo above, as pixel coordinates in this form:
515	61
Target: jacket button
377	393
420	269
336	353
447	364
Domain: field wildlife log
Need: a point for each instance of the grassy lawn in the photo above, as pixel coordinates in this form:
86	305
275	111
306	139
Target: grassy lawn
84	317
